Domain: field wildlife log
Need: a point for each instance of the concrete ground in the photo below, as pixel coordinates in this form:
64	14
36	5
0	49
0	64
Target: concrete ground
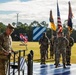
49	69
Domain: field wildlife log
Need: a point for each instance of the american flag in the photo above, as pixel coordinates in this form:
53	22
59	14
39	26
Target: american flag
23	38
70	15
59	24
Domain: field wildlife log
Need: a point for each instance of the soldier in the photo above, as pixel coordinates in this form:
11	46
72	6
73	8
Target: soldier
68	50
61	43
5	48
52	47
55	47
47	49
43	47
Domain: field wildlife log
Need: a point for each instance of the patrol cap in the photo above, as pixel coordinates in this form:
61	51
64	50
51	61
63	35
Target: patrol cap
10	26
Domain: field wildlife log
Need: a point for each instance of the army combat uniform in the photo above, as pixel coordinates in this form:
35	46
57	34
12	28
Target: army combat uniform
43	48
61	44
68	50
55	47
5	44
52	47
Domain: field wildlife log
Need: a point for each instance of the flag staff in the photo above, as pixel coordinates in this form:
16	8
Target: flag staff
70	16
51	19
59	24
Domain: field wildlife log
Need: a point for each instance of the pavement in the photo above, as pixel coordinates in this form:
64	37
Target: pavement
49	69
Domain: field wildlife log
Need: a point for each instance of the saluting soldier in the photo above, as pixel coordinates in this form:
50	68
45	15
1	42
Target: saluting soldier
43	47
68	49
5	48
61	44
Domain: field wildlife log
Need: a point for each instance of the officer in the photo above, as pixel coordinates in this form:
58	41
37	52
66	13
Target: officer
43	47
61	43
68	49
5	48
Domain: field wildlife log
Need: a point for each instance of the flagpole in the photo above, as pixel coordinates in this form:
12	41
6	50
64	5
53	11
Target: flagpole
51	28
57	14
70	15
59	24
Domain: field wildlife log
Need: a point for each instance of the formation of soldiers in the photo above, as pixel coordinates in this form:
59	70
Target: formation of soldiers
60	45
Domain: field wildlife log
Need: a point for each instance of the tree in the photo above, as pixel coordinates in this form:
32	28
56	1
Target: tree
44	24
25	24
2	27
35	23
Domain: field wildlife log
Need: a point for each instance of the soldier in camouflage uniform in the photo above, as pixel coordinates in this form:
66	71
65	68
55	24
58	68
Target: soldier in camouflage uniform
61	44
68	50
5	48
52	47
43	47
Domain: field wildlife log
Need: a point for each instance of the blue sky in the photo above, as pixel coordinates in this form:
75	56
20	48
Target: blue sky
4	1
30	10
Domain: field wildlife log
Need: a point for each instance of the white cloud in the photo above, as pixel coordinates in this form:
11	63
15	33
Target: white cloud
35	10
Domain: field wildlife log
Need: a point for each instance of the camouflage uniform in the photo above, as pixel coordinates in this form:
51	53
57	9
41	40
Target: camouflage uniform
61	43
47	51
52	47
43	48
5	44
55	47
68	50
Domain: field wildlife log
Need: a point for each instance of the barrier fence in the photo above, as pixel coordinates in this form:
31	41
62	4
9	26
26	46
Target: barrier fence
18	63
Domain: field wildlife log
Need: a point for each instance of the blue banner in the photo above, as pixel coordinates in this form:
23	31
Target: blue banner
37	32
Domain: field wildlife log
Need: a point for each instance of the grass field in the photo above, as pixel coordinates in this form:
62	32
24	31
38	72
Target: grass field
35	47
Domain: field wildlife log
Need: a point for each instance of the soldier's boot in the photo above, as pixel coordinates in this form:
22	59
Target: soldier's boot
42	61
68	61
68	64
56	65
64	65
